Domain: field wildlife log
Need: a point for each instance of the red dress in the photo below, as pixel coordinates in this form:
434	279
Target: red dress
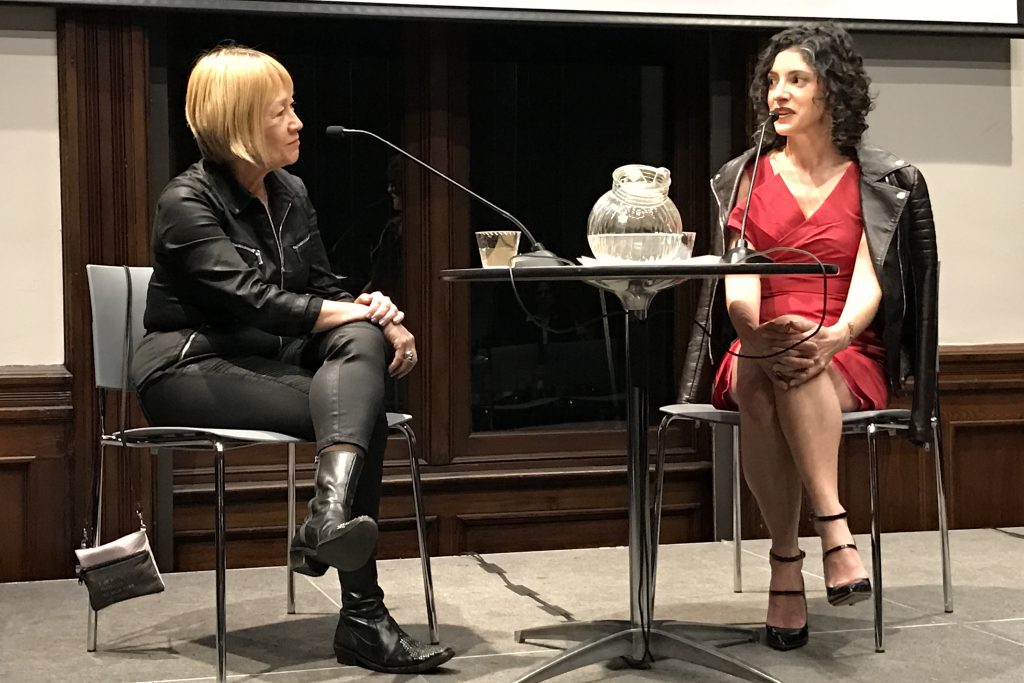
833	234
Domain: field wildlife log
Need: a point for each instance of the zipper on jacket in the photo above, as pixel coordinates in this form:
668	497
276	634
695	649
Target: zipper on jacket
254	252
277	235
903	281
302	242
899	252
188	343
721	224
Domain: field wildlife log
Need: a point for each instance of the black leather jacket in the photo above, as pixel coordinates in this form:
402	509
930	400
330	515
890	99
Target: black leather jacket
901	240
228	271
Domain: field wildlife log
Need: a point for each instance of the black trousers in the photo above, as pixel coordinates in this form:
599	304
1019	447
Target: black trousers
328	387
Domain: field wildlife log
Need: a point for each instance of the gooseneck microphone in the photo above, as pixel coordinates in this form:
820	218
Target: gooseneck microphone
741	253
537	256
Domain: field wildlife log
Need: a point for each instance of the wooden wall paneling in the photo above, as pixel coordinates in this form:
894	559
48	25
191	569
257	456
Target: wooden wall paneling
35	426
987	471
434	217
982	393
521	508
103	95
15	508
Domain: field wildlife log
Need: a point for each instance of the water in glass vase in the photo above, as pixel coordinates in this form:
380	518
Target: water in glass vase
641	246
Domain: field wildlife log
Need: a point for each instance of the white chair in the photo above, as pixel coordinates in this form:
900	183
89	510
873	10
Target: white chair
868	423
118	299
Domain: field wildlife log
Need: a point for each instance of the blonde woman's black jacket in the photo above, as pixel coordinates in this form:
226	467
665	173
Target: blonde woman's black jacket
228	273
900	233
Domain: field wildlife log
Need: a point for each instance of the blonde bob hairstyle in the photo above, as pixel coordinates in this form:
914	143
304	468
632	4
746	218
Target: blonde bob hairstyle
228	92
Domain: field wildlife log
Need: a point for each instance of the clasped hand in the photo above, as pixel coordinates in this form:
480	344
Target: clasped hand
796	365
382	311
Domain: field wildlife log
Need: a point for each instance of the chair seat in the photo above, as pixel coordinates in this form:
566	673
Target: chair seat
704	412
197	436
889	415
205	436
398	419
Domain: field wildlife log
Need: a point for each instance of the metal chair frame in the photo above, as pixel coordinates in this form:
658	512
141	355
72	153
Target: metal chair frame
870	423
114	310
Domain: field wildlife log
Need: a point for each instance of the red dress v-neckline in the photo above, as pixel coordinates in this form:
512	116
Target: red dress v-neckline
781	179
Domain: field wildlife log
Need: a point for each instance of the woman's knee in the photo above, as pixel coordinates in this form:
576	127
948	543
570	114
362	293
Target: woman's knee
754	393
356	340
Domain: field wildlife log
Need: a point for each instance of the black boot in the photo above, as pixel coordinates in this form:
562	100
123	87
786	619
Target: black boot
330	536
368	636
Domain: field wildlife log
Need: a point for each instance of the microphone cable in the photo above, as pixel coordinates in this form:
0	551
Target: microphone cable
539	323
821	318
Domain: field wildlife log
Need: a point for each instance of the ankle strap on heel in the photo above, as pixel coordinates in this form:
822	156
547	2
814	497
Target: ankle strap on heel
779	558
829	518
844	546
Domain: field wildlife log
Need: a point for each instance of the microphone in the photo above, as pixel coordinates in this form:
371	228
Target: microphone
537	256
741	253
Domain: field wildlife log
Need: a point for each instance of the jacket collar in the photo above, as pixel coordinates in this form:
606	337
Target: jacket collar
876	163
236	197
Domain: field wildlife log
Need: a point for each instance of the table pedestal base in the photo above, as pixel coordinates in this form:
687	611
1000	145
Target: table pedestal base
605	640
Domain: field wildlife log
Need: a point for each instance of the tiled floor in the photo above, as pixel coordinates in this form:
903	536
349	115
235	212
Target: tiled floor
483	600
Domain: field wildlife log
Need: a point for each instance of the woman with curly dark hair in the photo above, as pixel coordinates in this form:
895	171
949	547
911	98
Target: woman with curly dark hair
819	189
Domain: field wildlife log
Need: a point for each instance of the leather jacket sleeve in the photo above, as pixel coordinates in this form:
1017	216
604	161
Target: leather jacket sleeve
924	274
190	243
710	321
695	381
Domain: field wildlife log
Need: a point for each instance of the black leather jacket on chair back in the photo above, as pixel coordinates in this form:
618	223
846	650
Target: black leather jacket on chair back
901	240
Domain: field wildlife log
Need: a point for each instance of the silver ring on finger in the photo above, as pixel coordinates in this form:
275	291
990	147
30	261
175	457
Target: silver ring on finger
410	356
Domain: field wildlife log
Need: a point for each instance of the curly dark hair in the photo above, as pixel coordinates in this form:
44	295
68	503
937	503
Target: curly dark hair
829	50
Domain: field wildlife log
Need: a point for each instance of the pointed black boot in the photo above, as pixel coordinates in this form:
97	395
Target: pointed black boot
368	636
330	536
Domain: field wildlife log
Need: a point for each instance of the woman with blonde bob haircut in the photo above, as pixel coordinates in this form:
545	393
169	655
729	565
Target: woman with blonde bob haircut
246	327
229	124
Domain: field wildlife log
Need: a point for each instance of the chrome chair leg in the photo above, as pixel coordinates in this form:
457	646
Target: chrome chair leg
940	494
90	636
221	568
659	492
291	528
876	537
421	532
737	516
93	615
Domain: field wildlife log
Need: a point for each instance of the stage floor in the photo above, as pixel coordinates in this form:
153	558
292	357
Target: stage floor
483	599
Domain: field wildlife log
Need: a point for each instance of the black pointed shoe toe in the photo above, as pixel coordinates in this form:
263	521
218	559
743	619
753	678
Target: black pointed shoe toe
847	593
379	643
785	638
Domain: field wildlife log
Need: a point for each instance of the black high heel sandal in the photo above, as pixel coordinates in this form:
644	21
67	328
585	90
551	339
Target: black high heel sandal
777	637
847	593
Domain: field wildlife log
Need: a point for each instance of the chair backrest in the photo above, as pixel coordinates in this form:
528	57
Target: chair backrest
108	295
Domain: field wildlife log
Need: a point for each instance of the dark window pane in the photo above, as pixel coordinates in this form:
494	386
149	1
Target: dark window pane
549	122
